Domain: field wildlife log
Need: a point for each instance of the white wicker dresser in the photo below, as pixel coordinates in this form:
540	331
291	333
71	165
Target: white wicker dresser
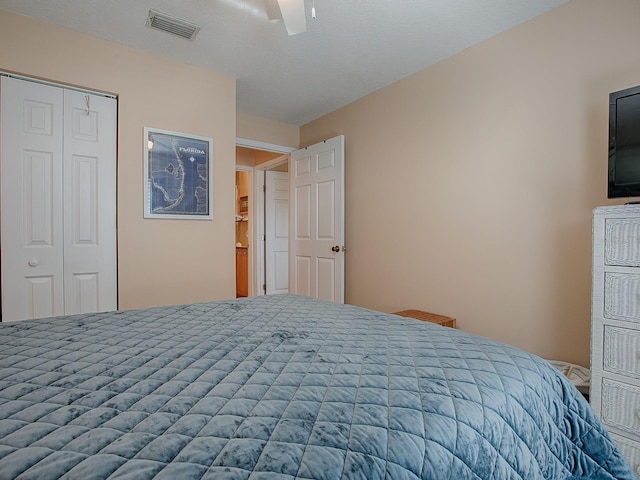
615	325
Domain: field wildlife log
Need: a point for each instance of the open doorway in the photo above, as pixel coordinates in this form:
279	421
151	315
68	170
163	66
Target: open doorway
251	162
243	231
317	219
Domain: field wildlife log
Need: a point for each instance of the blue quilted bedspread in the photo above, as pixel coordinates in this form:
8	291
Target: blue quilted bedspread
284	387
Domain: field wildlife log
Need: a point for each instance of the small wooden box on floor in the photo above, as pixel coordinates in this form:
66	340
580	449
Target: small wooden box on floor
428	317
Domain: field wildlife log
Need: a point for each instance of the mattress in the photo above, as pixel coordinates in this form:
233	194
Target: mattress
284	387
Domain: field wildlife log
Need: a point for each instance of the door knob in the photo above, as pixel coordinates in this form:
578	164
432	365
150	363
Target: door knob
335	249
33	262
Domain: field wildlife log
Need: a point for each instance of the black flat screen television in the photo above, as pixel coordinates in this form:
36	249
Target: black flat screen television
624	143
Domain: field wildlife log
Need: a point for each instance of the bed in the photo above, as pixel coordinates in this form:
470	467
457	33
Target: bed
283	387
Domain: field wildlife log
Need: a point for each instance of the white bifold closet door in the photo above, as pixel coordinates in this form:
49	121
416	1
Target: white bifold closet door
58	239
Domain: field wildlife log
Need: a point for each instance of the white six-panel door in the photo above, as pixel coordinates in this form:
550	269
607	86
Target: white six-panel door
316	265
277	231
58	240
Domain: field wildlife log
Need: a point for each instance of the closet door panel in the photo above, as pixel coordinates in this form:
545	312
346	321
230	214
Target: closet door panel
89	186
32	200
38	190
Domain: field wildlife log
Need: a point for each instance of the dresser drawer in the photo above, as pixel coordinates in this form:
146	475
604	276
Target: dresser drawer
621	406
622	296
622	242
630	450
622	351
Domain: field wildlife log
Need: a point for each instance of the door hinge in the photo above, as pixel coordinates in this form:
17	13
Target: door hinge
264	188
264	287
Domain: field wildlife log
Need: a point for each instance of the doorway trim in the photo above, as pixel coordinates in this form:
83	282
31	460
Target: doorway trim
267	147
256	206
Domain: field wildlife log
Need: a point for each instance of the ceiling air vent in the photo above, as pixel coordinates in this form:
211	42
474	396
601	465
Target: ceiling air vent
173	25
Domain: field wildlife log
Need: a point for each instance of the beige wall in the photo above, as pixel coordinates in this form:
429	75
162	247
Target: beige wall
160	262
470	185
250	157
245	157
267	131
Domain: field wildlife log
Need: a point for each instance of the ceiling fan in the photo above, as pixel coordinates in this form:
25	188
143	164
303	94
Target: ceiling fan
292	13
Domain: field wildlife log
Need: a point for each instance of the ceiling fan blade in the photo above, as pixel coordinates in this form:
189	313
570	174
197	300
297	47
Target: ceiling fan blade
272	9
293	15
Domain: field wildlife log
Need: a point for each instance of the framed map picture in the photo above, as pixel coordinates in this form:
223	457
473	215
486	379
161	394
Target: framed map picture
177	172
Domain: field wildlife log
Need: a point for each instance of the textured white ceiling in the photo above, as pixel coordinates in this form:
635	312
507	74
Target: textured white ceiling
351	49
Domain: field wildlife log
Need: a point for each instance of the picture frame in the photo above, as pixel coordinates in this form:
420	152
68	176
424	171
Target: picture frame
177	175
